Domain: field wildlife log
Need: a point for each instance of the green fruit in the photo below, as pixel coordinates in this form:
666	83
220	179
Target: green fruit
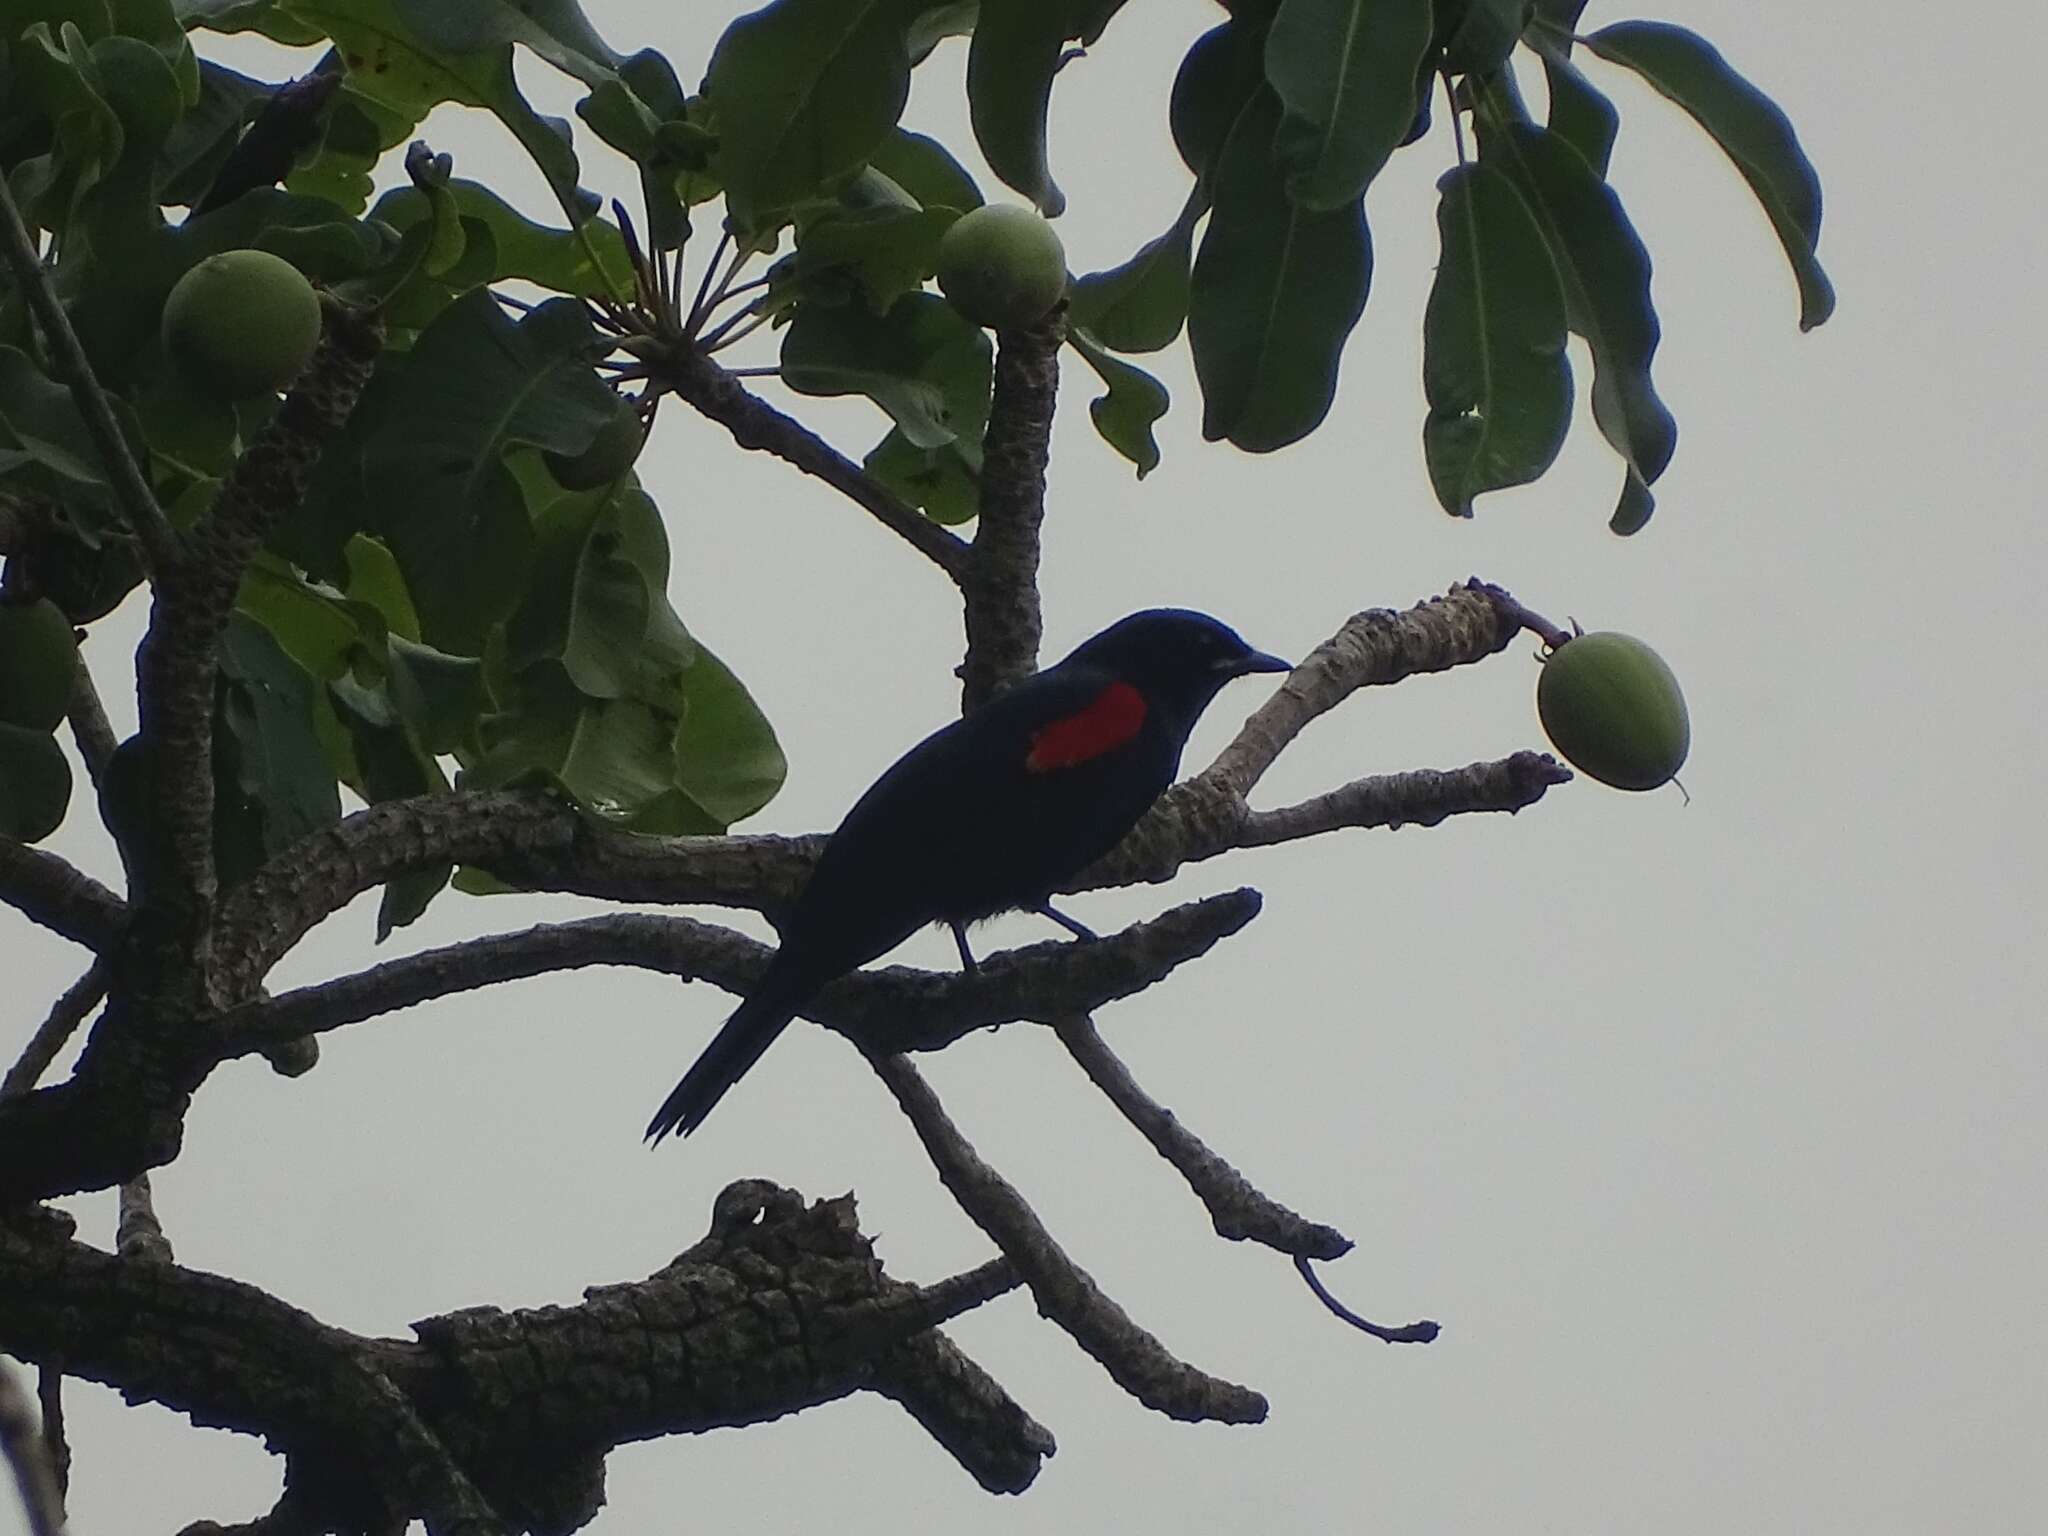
35	784
610	454
1002	267
1612	707
38	658
242	323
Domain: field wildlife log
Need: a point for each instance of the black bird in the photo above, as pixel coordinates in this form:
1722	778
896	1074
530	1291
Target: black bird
991	814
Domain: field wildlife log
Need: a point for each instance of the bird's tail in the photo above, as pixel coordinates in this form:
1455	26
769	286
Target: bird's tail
736	1047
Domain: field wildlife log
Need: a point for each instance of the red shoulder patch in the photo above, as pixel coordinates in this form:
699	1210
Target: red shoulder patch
1112	718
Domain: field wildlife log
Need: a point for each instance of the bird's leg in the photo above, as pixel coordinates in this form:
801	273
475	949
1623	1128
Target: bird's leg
1078	930
967	961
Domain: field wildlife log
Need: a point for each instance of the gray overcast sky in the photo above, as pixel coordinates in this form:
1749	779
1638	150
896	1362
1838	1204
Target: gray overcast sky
1713	1135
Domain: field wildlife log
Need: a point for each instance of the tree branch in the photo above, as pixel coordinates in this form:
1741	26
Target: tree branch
781	1307
894	1009
1000	585
714	392
1238	1210
63	899
21	1442
70	1010
1065	1293
193	595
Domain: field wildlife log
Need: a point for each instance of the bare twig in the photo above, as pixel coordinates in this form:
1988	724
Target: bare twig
702	383
1000	589
22	1444
1424	1332
56	1444
1238	1209
70	1010
1065	1293
89	725
131	489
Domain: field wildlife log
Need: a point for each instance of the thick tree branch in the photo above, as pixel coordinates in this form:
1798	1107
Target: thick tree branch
1065	1293
781	1307
63	899
190	602
753	423
1000	583
1238	1210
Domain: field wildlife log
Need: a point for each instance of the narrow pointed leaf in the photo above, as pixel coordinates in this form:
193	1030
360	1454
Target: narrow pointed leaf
1493	364
1580	113
1605	272
1141	305
1345	71
1750	127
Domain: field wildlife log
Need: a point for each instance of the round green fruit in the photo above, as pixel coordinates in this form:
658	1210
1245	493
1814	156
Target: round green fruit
610	454
1002	267
35	784
242	323
1612	707
38	658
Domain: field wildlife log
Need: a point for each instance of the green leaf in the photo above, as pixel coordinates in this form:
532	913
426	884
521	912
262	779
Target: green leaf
316	626
1605	272
1017	49
1275	292
1345	71
35	783
435	481
886	252
44	446
1141	305
1493	364
589	606
374	578
926	169
1124	416
438	695
560	259
389	764
940	482
923	364
727	759
1748	126
555	30
802	92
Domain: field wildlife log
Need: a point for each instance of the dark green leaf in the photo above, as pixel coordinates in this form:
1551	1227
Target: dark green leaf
802	92
1345	71
727	759
1605	272
1141	305
1276	290
438	695
1493	364
1223	71
273	783
1748	125
1579	113
1017	49
555	30
588	606
1124	416
1476	36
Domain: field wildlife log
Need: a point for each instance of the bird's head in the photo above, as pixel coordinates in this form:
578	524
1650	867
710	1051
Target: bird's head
1176	654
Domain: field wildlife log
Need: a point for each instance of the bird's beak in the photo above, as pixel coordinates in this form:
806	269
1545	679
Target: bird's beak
1254	661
